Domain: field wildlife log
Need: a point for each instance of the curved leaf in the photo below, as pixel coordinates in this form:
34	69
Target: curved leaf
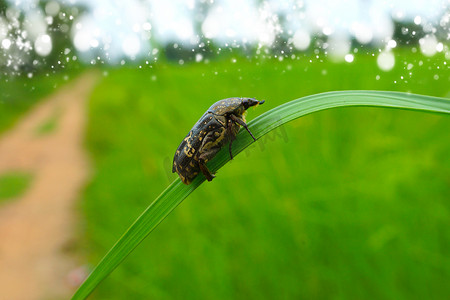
176	192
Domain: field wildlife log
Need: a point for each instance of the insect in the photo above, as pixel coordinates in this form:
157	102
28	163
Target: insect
218	126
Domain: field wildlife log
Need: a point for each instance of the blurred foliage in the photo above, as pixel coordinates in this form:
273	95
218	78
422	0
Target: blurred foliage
13	184
16	60
3	6
59	30
407	34
346	203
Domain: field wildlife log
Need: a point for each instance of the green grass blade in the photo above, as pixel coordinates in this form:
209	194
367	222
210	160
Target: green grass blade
177	192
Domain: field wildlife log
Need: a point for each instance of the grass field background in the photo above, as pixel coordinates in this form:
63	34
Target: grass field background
346	203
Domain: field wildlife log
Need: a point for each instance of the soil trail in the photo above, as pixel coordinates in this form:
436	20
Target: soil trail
36	228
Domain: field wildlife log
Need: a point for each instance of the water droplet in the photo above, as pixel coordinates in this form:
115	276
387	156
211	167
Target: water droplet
386	61
43	45
131	45
349	58
428	45
6	43
392	44
417	20
301	39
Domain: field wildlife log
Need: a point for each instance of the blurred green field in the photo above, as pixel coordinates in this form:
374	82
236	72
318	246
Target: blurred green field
19	94
348	203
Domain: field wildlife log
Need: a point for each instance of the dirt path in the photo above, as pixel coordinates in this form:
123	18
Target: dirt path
36	228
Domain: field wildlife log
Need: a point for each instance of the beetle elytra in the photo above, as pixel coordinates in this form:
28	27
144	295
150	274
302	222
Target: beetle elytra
217	127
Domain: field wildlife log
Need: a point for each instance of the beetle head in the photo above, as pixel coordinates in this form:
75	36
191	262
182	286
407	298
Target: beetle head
248	102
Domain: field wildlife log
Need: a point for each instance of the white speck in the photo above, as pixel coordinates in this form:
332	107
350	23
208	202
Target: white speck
392	44
146	26
181	62
420	63
327	30
6	43
410	66
155	51
428	45
131	45
30	75
49	20
153	77
439	47
436	77
82	40
52	8
198	57
43	45
386	61
301	39
363	33
233	60
377	77
417	20
349	58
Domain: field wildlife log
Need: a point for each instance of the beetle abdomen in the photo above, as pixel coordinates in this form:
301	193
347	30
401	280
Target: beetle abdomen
185	161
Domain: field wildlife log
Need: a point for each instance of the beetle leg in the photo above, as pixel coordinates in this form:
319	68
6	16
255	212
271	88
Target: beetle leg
205	170
242	123
202	162
231	135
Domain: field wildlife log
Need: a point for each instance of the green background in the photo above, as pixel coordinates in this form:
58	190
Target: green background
346	203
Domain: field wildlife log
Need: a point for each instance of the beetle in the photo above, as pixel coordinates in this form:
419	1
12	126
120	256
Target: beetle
217	127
